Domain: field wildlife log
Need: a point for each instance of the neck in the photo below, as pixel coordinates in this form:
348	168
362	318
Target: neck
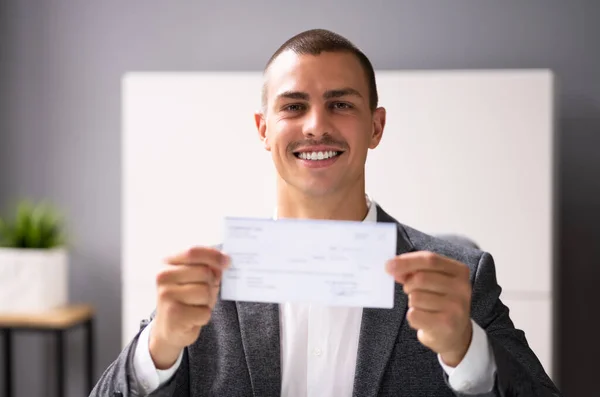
349	204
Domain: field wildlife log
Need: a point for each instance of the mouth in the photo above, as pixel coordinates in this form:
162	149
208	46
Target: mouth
320	155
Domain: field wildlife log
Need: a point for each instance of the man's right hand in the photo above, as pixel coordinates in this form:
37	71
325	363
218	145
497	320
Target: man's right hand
187	289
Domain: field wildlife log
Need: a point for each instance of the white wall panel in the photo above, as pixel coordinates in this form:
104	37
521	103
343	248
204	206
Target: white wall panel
463	152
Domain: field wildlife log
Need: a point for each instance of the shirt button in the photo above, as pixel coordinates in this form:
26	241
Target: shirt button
317	352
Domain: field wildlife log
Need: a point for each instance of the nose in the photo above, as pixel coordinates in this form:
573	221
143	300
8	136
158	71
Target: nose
317	123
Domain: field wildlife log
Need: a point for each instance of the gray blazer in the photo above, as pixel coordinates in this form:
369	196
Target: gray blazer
238	352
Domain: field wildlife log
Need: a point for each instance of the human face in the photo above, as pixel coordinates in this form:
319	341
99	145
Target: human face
317	122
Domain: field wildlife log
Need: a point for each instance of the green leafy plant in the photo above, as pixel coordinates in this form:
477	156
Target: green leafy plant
34	225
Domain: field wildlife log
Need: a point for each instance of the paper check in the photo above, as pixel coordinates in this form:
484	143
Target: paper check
335	263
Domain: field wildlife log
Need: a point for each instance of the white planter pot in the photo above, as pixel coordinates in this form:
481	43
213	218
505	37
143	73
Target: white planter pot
33	280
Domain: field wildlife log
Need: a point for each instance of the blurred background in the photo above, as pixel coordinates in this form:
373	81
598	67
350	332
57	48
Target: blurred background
61	64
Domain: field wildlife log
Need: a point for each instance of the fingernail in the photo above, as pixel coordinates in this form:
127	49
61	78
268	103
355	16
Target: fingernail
390	266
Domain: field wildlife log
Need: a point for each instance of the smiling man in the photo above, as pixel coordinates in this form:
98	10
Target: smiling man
448	333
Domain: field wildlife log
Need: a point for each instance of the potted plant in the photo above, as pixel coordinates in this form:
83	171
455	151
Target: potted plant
33	259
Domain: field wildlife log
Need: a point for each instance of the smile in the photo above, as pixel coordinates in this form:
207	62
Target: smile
318	156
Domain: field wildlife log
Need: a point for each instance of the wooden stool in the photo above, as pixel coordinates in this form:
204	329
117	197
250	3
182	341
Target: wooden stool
58	322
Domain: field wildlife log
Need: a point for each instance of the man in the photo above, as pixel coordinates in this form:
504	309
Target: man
448	333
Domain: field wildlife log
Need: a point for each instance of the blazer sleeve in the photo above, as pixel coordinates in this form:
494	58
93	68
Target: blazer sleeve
519	372
119	378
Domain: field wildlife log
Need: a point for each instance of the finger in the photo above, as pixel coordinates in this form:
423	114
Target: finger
201	256
423	319
427	301
186	274
217	277
403	265
214	295
196	316
191	294
430	281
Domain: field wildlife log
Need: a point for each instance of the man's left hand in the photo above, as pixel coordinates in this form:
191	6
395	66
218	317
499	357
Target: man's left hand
439	301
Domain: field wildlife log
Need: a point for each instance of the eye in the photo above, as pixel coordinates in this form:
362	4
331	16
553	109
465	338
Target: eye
293	107
341	105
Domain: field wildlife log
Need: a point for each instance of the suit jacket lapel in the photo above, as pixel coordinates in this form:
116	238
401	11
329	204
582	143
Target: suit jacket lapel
379	328
259	327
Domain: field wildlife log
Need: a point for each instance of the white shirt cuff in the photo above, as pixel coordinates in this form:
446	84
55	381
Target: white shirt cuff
148	377
476	372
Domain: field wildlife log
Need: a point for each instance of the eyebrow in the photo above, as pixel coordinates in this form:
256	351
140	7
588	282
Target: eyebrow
337	93
293	95
341	92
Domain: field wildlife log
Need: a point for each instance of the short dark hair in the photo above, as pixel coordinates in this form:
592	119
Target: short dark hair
316	41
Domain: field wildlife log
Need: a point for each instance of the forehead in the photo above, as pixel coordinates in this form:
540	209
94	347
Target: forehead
315	73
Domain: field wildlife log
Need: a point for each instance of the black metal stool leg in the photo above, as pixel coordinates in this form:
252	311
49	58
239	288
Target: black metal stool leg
60	363
8	385
90	340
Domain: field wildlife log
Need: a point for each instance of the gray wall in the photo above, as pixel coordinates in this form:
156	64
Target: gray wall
60	135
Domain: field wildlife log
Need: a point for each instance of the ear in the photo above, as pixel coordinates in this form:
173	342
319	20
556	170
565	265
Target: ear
378	126
261	127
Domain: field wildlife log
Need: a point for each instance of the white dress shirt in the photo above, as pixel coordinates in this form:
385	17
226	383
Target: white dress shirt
319	346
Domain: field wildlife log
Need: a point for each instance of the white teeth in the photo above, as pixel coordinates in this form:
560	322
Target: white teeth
318	155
